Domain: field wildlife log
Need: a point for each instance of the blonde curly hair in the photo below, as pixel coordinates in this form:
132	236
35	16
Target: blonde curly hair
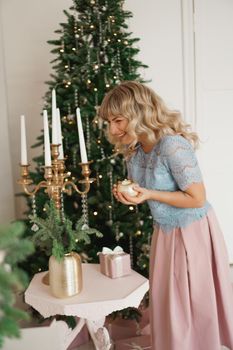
146	113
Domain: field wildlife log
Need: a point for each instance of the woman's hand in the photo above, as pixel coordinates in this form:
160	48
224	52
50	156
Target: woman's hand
121	197
142	196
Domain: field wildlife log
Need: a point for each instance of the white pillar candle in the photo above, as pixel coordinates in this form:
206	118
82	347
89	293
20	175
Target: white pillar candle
59	132
47	151
54	119
82	145
24	160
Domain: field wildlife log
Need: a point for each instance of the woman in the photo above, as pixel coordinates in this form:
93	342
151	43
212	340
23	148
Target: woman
191	299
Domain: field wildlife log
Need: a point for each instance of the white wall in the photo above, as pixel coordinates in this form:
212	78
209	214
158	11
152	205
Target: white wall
158	24
27	25
7	205
214	78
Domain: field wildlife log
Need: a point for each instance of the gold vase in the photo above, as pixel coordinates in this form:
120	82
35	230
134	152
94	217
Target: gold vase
65	276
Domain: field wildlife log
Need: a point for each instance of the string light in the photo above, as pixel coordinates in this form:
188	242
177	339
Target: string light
131	208
95	213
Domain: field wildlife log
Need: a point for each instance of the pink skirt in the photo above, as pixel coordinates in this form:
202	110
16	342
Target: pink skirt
191	296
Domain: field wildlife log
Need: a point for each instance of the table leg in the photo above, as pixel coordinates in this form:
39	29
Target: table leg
99	334
74	332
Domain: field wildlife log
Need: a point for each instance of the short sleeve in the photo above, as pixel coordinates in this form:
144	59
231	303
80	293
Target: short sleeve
179	156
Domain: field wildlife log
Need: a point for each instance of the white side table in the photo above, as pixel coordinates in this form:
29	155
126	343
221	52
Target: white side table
100	296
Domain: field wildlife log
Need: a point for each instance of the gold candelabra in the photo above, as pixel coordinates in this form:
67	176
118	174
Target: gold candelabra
56	179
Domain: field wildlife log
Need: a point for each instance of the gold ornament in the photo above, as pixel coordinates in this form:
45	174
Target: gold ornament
65	276
126	186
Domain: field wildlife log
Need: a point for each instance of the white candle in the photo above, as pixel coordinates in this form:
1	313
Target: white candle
82	145
24	160
47	151
61	152
54	119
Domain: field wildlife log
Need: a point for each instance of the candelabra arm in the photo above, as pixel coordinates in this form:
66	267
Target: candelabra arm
75	187
35	190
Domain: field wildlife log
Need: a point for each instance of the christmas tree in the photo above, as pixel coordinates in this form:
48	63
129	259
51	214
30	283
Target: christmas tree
13	249
93	53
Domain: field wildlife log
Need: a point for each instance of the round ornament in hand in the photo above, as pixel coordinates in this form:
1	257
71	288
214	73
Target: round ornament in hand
126	186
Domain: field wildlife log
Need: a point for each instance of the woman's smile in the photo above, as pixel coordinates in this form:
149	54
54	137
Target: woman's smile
117	128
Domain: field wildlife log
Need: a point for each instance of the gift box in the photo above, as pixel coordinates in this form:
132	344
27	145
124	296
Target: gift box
120	329
114	263
52	335
49	334
130	334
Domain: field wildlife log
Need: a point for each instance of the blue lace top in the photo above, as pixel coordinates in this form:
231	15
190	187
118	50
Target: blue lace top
170	166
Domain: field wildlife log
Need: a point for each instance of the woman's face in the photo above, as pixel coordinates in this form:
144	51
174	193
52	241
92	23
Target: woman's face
117	128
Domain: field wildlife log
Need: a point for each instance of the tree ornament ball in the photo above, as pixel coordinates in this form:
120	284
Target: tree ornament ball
126	186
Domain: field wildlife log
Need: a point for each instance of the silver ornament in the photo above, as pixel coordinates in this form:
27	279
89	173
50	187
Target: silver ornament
85	227
109	223
35	227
